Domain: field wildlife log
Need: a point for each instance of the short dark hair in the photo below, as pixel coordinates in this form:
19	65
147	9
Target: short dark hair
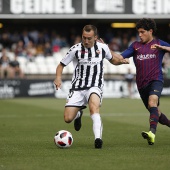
88	28
147	24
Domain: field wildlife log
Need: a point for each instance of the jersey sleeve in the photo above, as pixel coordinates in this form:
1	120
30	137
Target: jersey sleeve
69	56
128	52
163	43
108	53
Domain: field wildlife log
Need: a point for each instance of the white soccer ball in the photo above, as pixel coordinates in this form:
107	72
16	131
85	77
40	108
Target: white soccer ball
63	139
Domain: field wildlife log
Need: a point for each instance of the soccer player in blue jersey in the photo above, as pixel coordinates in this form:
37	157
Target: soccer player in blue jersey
87	82
147	56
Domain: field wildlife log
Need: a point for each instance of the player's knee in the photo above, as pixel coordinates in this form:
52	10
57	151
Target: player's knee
152	104
67	118
94	109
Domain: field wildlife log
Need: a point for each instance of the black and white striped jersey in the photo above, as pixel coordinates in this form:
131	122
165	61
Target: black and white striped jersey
88	64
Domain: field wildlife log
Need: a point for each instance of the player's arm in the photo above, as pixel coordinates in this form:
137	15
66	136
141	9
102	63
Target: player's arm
118	59
160	47
64	62
58	78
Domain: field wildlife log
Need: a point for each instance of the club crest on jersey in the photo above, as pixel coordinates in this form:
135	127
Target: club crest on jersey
97	51
83	52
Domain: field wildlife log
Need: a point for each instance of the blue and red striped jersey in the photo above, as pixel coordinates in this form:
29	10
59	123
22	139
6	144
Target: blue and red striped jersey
148	61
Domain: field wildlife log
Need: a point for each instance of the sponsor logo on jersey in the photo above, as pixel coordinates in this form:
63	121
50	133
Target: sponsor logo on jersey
146	57
90	62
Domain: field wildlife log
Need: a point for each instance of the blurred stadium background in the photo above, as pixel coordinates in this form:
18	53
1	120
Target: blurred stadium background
38	33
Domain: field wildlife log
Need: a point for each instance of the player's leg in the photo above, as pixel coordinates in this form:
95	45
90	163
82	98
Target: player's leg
154	113
154	92
3	72
77	120
162	117
153	119
10	72
73	113
70	113
94	106
163	120
73	108
157	87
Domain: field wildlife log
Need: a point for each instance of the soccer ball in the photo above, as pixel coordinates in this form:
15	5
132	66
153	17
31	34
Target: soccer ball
63	139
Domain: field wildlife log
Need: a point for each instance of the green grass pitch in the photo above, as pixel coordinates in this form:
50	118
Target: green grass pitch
28	126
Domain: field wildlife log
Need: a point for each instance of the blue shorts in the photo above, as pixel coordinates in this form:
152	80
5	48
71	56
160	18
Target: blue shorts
155	87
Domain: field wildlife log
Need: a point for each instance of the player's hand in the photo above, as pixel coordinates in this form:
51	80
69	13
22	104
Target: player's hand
156	46
125	61
160	47
57	83
101	40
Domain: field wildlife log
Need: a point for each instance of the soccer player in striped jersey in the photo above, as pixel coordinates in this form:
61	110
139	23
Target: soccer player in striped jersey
87	81
147	56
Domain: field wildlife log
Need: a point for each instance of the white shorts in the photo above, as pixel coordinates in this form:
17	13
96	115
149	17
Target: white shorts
80	98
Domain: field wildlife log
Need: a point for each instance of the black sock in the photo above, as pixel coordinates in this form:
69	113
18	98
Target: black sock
154	118
164	120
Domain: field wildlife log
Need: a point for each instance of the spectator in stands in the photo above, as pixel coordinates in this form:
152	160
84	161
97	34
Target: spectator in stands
72	36
41	38
5	69
33	33
114	44
109	35
166	65
15	67
15	37
48	49
31	51
77	39
58	42
124	42
132	39
40	50
129	77
20	50
26	38
5	40
42	43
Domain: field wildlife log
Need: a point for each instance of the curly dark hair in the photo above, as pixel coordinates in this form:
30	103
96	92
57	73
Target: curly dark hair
147	24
